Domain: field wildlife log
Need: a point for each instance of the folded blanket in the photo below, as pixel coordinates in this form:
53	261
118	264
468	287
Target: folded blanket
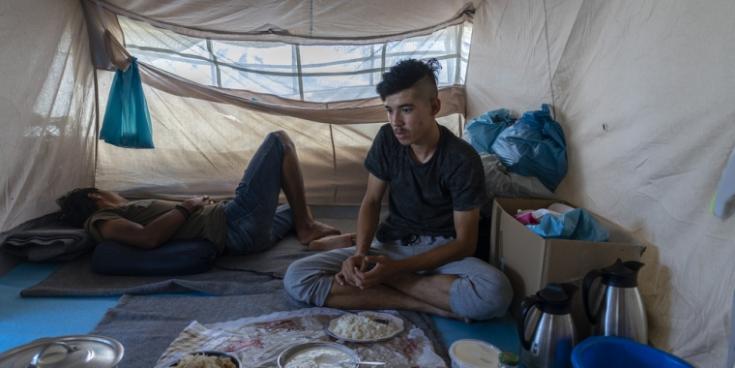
47	243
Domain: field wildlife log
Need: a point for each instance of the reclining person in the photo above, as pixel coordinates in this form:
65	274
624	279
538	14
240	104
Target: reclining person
421	258
251	222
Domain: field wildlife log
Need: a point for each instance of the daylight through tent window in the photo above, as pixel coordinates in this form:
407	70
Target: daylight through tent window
315	73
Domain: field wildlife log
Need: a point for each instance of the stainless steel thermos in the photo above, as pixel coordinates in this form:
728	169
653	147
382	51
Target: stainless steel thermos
546	329
616	308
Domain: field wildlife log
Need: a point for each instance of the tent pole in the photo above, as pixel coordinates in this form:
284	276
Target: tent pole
96	125
334	165
548	62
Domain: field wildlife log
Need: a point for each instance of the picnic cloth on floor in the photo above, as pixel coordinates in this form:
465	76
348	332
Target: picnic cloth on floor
147	325
257	341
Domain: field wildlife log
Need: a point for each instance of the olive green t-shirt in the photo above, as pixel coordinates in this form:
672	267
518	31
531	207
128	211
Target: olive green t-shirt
207	223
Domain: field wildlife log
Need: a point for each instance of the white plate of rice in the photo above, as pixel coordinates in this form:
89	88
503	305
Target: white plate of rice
365	327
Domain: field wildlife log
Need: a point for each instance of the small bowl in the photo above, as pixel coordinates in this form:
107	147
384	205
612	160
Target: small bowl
231	357
294	350
471	353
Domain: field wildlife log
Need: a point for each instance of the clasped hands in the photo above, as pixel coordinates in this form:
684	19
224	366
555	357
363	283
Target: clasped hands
196	203
366	271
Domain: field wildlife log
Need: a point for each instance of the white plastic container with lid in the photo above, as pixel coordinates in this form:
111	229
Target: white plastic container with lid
471	353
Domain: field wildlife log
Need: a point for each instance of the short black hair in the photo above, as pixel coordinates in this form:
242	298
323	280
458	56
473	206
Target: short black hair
76	206
405	74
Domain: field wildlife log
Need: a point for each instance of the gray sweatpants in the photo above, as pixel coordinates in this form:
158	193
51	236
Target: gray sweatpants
480	291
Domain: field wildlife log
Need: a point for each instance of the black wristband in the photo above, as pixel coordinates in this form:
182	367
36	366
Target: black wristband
184	211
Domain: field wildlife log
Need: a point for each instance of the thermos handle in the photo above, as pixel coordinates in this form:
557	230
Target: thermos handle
526	305
586	286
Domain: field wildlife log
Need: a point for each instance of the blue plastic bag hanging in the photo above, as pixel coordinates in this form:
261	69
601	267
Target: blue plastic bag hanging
484	129
577	224
127	122
534	146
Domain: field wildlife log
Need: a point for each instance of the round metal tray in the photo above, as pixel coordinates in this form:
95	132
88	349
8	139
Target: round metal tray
66	351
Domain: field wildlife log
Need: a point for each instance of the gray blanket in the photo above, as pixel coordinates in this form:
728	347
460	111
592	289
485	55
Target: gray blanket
230	276
146	325
47	244
45	239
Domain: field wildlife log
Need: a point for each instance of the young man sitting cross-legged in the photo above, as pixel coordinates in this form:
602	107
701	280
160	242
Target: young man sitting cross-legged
420	257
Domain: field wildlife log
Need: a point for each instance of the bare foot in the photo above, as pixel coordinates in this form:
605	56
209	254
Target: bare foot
333	242
314	231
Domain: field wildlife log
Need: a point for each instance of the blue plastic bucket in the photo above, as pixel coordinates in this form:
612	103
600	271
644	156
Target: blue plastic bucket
616	352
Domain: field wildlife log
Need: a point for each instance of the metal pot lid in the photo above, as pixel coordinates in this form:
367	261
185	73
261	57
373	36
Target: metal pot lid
65	351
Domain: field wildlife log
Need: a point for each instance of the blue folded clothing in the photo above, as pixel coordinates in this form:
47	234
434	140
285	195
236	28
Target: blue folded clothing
577	224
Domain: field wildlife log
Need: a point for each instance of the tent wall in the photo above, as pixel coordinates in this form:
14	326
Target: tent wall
203	147
46	106
642	88
644	91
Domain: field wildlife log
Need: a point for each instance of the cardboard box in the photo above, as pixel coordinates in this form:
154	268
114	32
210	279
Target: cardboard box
530	261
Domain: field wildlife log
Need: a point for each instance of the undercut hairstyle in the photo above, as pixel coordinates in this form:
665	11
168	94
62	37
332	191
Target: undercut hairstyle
406	74
76	206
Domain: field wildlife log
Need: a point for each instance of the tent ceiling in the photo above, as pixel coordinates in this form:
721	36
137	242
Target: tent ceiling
308	18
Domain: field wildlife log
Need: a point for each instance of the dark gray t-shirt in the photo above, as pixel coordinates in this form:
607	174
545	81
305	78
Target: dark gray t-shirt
423	196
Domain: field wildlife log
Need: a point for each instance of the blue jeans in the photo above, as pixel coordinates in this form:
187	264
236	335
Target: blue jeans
254	220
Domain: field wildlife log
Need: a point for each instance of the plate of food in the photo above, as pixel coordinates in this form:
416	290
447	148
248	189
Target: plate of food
365	327
207	359
318	354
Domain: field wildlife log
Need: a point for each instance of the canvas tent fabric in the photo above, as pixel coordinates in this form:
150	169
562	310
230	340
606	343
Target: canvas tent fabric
193	157
286	21
109	38
47	110
643	90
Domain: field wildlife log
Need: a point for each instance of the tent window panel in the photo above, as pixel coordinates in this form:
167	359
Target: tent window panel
333	73
339	59
466	39
448	64
464	52
197	70
462	71
447	73
317	73
260	56
340	87
258	67
285	86
140	35
442	45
